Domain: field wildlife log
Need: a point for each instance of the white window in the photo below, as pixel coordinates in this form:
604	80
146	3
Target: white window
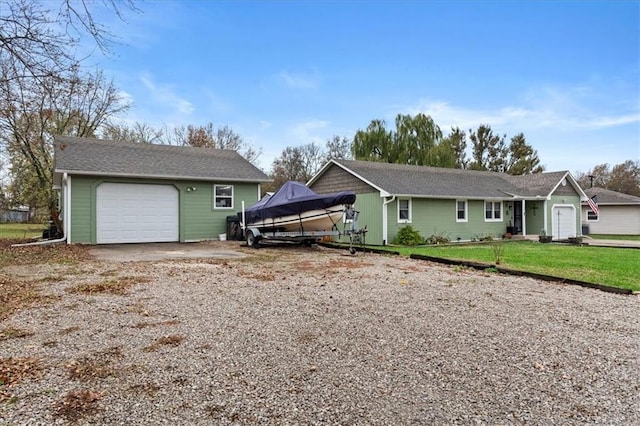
404	211
461	210
591	216
223	196
493	211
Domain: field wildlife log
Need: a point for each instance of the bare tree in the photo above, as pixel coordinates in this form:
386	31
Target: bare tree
32	111
338	148
136	133
623	177
208	136
43	40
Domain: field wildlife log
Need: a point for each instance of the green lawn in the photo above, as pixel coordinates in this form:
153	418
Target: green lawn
21	230
615	267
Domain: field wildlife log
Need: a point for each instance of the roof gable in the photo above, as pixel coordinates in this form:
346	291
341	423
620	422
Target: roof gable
439	182
115	158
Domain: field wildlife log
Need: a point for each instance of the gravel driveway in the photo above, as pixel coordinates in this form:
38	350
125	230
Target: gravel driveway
314	336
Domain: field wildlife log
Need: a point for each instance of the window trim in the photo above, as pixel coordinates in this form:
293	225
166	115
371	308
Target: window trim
466	211
408	220
493	211
597	216
215	197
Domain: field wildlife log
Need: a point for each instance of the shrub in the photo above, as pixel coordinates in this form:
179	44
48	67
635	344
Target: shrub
438	239
407	236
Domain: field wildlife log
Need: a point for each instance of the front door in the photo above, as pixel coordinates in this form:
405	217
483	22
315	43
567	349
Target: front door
517	217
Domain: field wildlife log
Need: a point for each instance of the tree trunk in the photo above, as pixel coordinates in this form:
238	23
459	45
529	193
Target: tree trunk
55	216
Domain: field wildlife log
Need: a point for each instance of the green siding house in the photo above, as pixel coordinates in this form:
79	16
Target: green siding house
121	192
461	205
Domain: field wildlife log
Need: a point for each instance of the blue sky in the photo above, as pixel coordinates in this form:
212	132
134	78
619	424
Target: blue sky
285	73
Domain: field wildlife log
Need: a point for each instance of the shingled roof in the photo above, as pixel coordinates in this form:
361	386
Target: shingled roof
606	196
423	181
101	157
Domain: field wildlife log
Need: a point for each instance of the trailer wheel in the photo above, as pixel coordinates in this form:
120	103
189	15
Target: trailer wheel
352	250
252	241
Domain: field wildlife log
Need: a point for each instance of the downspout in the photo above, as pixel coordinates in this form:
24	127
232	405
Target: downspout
66	190
385	229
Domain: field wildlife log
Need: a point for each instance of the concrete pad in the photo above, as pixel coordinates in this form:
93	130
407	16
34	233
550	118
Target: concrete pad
164	251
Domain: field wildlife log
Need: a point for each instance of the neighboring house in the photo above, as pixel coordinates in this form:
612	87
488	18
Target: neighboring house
618	213
461	205
16	215
121	192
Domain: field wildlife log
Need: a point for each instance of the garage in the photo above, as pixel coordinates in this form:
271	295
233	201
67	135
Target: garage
563	222
136	213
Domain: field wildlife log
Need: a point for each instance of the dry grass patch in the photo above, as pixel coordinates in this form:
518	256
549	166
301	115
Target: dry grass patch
14	370
142	325
78	404
169	340
117	285
259	276
98	366
147	388
10	332
15	295
31	255
69	330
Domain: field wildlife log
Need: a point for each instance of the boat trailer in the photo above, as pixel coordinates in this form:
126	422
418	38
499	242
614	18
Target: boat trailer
253	235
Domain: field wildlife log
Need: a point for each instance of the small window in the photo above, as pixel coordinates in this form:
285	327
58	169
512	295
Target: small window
404	211
461	211
492	211
591	216
222	196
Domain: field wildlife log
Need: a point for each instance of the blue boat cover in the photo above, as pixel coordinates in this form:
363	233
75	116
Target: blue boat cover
294	198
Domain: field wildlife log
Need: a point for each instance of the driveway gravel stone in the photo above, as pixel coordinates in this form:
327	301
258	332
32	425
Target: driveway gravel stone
311	335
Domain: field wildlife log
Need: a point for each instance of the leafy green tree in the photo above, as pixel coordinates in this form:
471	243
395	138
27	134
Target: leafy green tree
522	158
489	151
457	143
416	140
374	143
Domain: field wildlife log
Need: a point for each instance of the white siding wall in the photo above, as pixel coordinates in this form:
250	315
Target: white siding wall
620	220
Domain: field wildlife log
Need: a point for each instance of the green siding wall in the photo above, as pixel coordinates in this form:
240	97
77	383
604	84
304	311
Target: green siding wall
438	217
534	211
370	207
198	219
82	205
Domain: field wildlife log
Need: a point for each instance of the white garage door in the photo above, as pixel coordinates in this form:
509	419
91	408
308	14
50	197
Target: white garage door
136	213
564	222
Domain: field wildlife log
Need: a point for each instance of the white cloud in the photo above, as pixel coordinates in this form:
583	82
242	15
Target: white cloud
299	80
165	96
307	131
548	108
264	124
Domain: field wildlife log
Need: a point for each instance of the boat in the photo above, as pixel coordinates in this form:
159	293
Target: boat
297	208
